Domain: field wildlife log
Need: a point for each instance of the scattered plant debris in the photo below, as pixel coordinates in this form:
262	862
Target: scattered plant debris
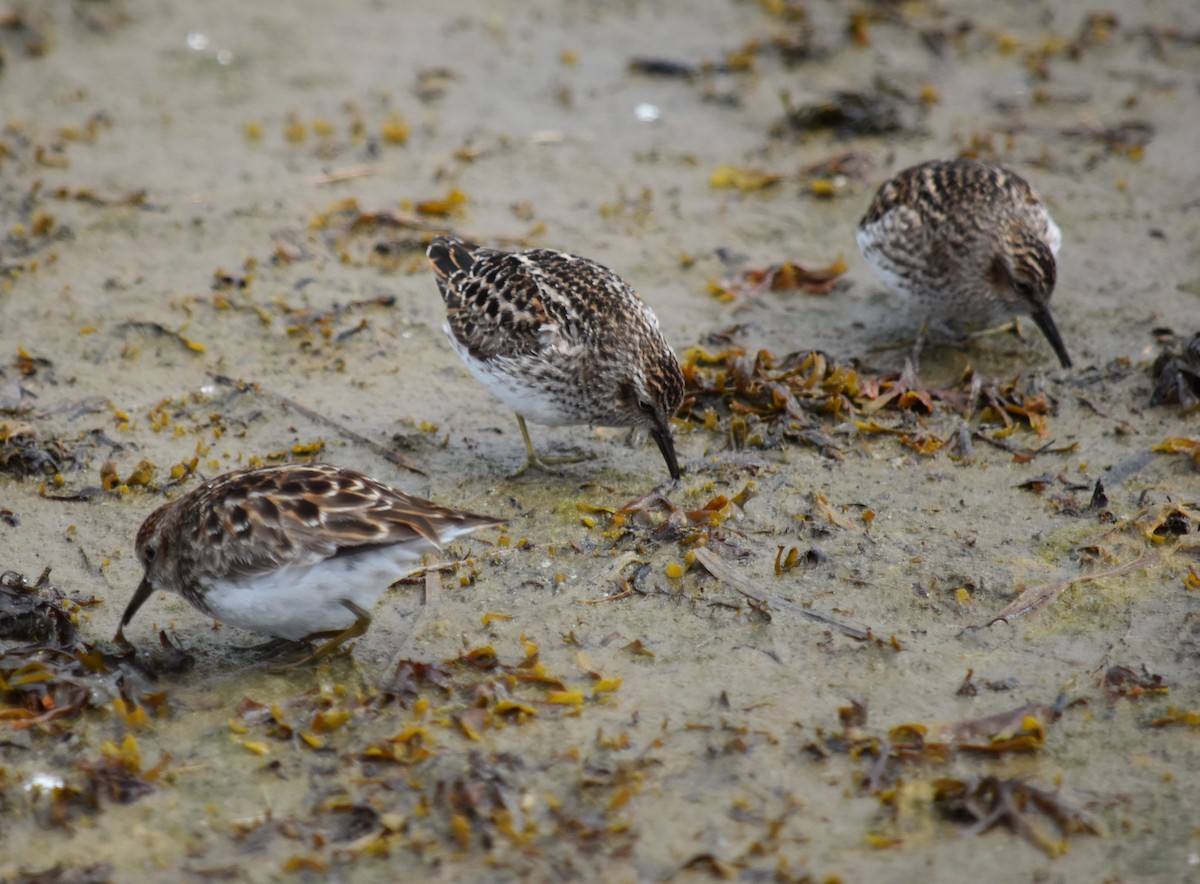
1138	542
420	732
1177	373
983	802
48	674
25	452
851	113
662	67
986	802
769	601
788	276
1122	681
1180	445
744	179
1186	717
835	175
1129	137
771	399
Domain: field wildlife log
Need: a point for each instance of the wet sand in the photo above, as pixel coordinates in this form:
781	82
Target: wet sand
175	205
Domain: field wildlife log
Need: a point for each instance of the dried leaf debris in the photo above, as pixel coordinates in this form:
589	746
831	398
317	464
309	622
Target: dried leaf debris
1145	541
770	400
979	802
49	674
409	765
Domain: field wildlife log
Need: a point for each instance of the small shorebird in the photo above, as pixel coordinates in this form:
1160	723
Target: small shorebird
558	339
970	242
301	552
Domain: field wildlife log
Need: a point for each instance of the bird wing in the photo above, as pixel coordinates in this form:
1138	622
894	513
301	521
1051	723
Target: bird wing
514	304
300	516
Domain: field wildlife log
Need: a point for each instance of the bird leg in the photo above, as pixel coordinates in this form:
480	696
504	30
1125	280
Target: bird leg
545	464
336	637
919	345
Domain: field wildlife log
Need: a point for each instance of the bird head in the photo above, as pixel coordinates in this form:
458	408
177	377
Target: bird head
1023	277
149	547
650	396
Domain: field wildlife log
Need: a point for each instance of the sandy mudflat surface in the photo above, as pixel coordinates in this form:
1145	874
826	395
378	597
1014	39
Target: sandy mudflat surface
211	228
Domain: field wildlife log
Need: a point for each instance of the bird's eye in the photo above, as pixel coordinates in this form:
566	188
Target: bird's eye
1023	288
149	552
646	407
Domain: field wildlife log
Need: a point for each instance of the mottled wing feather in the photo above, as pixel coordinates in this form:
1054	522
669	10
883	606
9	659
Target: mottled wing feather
912	199
970	192
916	207
301	515
521	304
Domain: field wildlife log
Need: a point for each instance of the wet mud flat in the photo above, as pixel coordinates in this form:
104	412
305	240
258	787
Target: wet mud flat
929	626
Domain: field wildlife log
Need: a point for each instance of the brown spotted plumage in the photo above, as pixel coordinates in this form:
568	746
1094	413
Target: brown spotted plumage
559	339
969	242
296	551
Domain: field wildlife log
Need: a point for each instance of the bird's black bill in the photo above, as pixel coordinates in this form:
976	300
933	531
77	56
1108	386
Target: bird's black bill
144	591
1045	321
662	435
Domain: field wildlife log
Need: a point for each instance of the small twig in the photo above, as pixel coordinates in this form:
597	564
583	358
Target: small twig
386	453
190	768
349	174
623	594
157	328
1096	409
1038	597
1027	453
611	573
717	568
497	554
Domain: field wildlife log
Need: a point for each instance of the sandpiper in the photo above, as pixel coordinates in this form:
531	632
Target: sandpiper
301	552
559	339
970	242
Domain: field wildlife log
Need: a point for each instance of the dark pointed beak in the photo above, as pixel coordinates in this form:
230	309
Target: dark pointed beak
662	435
1045	321
143	592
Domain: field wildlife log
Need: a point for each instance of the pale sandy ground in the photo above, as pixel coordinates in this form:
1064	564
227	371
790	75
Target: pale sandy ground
701	752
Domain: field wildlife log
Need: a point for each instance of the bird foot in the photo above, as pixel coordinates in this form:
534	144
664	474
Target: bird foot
335	638
547	464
